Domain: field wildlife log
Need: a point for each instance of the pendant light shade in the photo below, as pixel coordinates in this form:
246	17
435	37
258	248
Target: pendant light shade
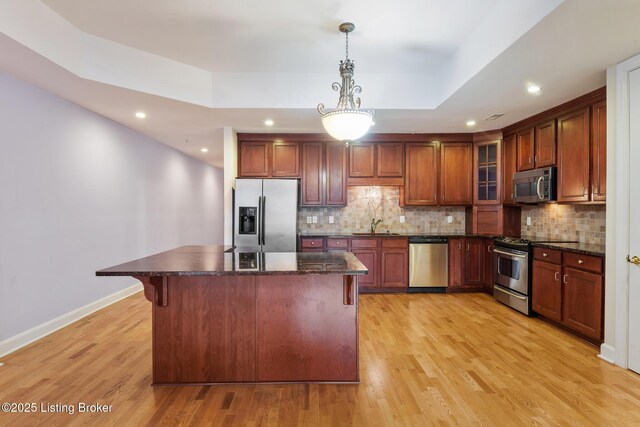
347	122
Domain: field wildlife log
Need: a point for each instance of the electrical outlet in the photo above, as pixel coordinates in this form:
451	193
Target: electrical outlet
528	220
449	219
330	219
401	219
308	220
315	219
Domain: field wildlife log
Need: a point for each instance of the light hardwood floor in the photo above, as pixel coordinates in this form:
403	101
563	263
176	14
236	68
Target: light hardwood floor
425	359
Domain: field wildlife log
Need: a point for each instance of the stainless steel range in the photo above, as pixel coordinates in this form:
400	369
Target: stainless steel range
512	273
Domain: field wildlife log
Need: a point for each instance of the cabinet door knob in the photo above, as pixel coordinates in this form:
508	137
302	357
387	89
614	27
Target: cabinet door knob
545	254
580	261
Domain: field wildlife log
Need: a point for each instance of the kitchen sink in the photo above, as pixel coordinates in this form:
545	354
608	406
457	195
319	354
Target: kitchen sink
375	234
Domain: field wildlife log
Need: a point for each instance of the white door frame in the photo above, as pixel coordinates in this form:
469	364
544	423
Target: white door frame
618	239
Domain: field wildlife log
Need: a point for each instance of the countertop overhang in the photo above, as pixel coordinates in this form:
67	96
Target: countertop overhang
218	260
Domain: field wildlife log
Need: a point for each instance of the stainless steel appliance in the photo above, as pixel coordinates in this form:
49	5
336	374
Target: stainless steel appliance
535	186
511	275
266	212
428	263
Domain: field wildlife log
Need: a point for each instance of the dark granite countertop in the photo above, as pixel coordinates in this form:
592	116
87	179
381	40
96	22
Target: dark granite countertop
214	261
389	235
579	248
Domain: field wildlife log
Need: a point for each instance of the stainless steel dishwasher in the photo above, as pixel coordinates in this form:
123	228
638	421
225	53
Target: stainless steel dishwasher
428	264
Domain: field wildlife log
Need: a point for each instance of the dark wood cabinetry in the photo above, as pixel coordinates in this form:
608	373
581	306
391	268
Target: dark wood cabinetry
474	262
526	149
493	220
421	169
387	260
456	263
376	163
487	161
568	288
599	152
547	290
336	175
266	159
545	144
487	250
456	177
253	159
509	167
323	180
573	156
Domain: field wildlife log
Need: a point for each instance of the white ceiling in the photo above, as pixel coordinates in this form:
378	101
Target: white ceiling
196	66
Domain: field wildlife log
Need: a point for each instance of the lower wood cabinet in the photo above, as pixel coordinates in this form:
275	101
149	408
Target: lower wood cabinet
470	264
568	288
387	260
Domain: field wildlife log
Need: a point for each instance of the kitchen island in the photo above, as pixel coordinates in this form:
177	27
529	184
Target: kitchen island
245	316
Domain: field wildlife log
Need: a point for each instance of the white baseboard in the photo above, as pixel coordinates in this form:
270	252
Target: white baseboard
27	337
607	353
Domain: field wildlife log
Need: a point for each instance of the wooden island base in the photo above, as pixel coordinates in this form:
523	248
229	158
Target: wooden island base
270	328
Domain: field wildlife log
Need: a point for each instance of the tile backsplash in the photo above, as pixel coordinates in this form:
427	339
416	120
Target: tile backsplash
365	203
582	223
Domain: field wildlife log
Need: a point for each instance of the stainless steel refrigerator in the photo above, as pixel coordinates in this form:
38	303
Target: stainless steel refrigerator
266	214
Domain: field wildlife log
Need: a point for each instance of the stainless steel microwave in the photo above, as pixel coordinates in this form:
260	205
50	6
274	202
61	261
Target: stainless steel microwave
535	186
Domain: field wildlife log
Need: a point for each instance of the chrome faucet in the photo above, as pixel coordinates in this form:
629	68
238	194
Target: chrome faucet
374	224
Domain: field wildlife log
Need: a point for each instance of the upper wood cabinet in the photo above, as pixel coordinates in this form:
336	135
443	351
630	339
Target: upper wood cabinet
509	167
536	146
253	159
324	170
390	159
487	161
421	174
545	144
376	163
311	185
456	177
526	149
266	159
573	156
362	160
336	175
599	152
286	159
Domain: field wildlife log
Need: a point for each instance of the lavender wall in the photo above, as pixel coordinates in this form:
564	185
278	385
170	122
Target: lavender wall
79	192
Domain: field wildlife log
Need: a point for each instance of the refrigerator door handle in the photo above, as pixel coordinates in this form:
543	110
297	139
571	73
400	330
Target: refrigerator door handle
264	207
258	220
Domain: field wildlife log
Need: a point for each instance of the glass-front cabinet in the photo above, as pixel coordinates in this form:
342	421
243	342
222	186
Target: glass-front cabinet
487	178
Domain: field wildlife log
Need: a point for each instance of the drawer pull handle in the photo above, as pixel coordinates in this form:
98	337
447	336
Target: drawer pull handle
564	278
545	254
556	276
580	261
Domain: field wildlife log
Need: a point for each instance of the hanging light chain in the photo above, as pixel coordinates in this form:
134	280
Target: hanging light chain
347	45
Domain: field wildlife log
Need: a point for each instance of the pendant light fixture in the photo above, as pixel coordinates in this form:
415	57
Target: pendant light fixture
347	122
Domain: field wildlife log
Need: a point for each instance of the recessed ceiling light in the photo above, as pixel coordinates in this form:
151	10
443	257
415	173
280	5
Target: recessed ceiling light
533	89
471	123
268	122
204	149
141	114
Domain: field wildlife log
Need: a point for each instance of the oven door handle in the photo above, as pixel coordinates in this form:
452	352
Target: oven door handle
510	293
498	251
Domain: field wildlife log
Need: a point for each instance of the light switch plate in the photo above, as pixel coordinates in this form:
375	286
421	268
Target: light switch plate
401	219
528	220
315	219
449	219
308	220
330	219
